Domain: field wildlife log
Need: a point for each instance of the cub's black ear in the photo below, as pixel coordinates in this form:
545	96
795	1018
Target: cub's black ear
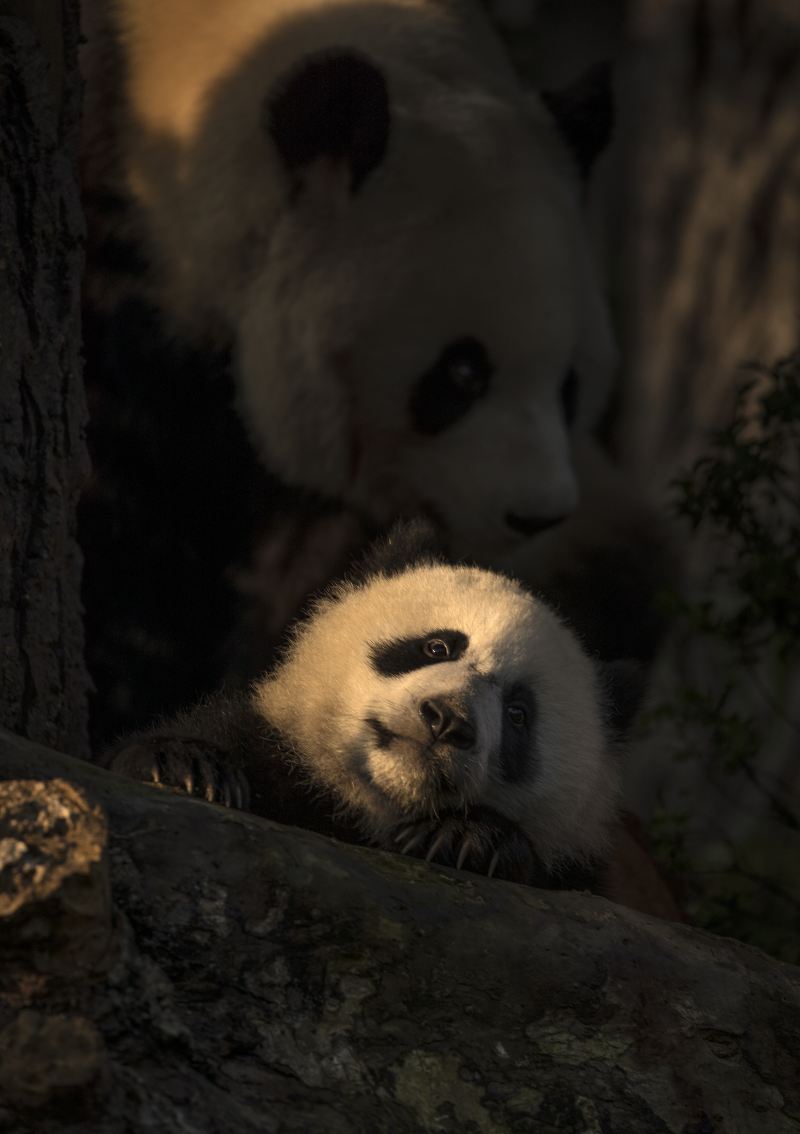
584	113
334	105
406	543
624	687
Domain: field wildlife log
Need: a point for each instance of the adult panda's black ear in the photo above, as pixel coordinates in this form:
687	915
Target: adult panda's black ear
584	114
624	688
407	543
332	105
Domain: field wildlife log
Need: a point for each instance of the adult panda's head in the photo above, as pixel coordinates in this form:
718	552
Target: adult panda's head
426	688
426	333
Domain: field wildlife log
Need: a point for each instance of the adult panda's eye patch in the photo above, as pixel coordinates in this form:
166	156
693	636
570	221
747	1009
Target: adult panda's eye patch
397	656
445	392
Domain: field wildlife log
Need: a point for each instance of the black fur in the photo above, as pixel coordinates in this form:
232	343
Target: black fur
584	114
175	494
515	746
624	689
403	655
334	104
485	842
569	396
531	525
223	748
407	543
447	391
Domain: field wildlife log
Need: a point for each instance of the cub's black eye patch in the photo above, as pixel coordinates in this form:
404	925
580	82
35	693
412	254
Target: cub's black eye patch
517	739
404	655
443	394
569	396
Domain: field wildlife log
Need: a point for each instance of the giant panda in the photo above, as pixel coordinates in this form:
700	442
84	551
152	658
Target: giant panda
360	200
429	708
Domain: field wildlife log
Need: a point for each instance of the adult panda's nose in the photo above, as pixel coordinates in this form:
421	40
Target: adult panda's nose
532	525
446	723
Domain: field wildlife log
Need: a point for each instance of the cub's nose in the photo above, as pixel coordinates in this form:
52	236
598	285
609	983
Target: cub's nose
446	723
532	525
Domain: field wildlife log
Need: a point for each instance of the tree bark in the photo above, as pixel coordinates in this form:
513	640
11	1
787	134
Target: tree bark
709	95
257	978
43	683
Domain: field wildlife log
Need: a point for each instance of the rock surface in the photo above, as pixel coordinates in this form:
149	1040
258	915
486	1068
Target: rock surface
260	978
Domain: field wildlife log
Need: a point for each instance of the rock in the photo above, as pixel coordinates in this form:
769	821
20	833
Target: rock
55	900
268	979
51	1061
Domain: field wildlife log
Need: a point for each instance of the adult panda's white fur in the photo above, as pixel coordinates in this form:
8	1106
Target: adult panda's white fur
344	261
437	709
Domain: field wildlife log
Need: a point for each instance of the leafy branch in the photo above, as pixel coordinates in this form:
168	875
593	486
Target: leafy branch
741	502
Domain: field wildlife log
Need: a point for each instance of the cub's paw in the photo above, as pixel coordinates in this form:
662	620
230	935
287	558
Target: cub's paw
479	840
186	765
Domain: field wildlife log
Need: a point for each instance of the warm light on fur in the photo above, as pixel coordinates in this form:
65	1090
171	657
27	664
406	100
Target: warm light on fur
325	692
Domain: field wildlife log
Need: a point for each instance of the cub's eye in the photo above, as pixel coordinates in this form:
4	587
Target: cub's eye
436	648
446	392
517	716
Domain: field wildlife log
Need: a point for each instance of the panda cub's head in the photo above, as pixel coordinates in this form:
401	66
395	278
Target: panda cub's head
440	687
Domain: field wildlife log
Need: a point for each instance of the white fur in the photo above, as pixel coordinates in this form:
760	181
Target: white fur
322	695
336	304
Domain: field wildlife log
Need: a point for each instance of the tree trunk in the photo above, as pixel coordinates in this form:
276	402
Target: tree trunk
711	94
710	98
43	682
254	978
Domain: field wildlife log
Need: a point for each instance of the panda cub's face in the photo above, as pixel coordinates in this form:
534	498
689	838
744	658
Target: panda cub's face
444	687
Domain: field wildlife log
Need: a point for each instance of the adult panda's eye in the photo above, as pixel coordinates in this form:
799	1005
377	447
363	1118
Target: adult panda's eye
436	648
459	376
470	375
517	716
569	396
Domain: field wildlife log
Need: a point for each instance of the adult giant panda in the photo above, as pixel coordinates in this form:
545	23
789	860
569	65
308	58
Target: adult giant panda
429	708
360	199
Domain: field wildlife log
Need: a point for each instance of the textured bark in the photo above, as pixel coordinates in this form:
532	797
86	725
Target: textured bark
43	682
259	978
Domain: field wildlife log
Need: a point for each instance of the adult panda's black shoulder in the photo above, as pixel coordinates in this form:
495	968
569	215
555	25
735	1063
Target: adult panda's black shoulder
434	709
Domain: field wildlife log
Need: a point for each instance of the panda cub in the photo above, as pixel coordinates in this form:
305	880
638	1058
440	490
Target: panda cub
437	710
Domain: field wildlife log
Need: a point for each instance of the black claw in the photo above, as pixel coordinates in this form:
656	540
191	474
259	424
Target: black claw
185	765
480	841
